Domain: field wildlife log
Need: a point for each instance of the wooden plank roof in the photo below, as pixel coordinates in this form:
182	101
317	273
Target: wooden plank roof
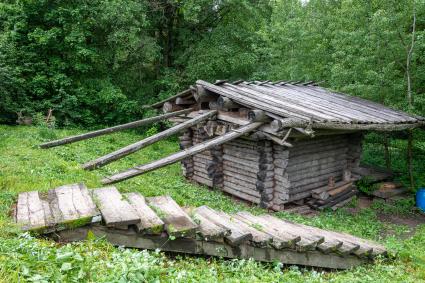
310	102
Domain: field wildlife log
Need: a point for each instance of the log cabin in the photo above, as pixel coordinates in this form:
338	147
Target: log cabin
310	137
269	143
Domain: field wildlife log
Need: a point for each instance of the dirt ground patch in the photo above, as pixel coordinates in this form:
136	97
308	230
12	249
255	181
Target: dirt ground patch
411	220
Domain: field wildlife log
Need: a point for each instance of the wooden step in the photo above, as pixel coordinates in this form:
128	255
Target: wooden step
64	207
116	210
150	223
177	222
238	234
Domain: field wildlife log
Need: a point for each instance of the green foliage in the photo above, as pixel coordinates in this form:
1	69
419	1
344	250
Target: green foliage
366	185
77	57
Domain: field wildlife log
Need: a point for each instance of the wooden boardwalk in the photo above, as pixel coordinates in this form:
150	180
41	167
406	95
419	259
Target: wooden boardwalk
132	220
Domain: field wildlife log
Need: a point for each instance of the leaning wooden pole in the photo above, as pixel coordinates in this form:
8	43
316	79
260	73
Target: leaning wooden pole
184	93
110	130
118	154
139	170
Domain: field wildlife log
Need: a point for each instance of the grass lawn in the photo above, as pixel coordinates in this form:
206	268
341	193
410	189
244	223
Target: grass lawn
25	167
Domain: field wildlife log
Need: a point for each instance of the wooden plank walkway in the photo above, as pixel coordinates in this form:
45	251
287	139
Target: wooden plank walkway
130	220
61	208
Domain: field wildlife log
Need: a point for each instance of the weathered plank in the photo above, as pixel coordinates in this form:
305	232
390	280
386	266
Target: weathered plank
281	239
208	229
150	223
138	170
101	132
129	149
238	234
30	211
308	241
191	246
71	205
259	238
177	222
115	209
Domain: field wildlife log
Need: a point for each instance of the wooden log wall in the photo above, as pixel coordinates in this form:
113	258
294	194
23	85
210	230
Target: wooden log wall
269	174
207	165
187	163
241	161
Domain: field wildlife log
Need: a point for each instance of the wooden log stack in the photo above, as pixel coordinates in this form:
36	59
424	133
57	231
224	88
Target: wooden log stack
333	196
272	175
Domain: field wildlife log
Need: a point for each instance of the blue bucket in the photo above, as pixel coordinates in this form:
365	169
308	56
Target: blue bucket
420	199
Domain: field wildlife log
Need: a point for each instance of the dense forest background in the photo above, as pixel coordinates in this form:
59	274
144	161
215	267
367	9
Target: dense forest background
98	61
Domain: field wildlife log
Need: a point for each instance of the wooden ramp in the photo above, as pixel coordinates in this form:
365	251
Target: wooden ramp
131	220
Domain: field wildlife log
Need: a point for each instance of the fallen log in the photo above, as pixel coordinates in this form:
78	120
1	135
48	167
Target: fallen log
110	130
139	170
101	161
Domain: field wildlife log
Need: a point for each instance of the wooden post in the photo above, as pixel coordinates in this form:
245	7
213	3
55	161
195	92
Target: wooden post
139	170
257	116
184	101
171	107
101	161
106	131
410	159
203	95
226	103
280	124
184	93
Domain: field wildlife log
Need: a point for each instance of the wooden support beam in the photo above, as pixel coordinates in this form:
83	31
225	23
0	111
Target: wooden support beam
111	130
281	124
171	107
185	101
118	154
226	103
257	116
203	95
184	93
138	170
132	239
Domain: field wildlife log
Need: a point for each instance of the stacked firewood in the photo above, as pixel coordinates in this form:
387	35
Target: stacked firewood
334	195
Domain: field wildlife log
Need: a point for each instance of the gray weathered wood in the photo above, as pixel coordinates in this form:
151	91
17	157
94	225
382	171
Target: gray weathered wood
150	223
183	245
185	93
208	229
71	206
171	107
120	153
30	211
106	131
226	103
115	209
280	240
238	234
138	170
177	221
310	240
185	101
238	192
259	238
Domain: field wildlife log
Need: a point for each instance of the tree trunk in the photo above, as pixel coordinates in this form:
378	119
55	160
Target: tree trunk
410	158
